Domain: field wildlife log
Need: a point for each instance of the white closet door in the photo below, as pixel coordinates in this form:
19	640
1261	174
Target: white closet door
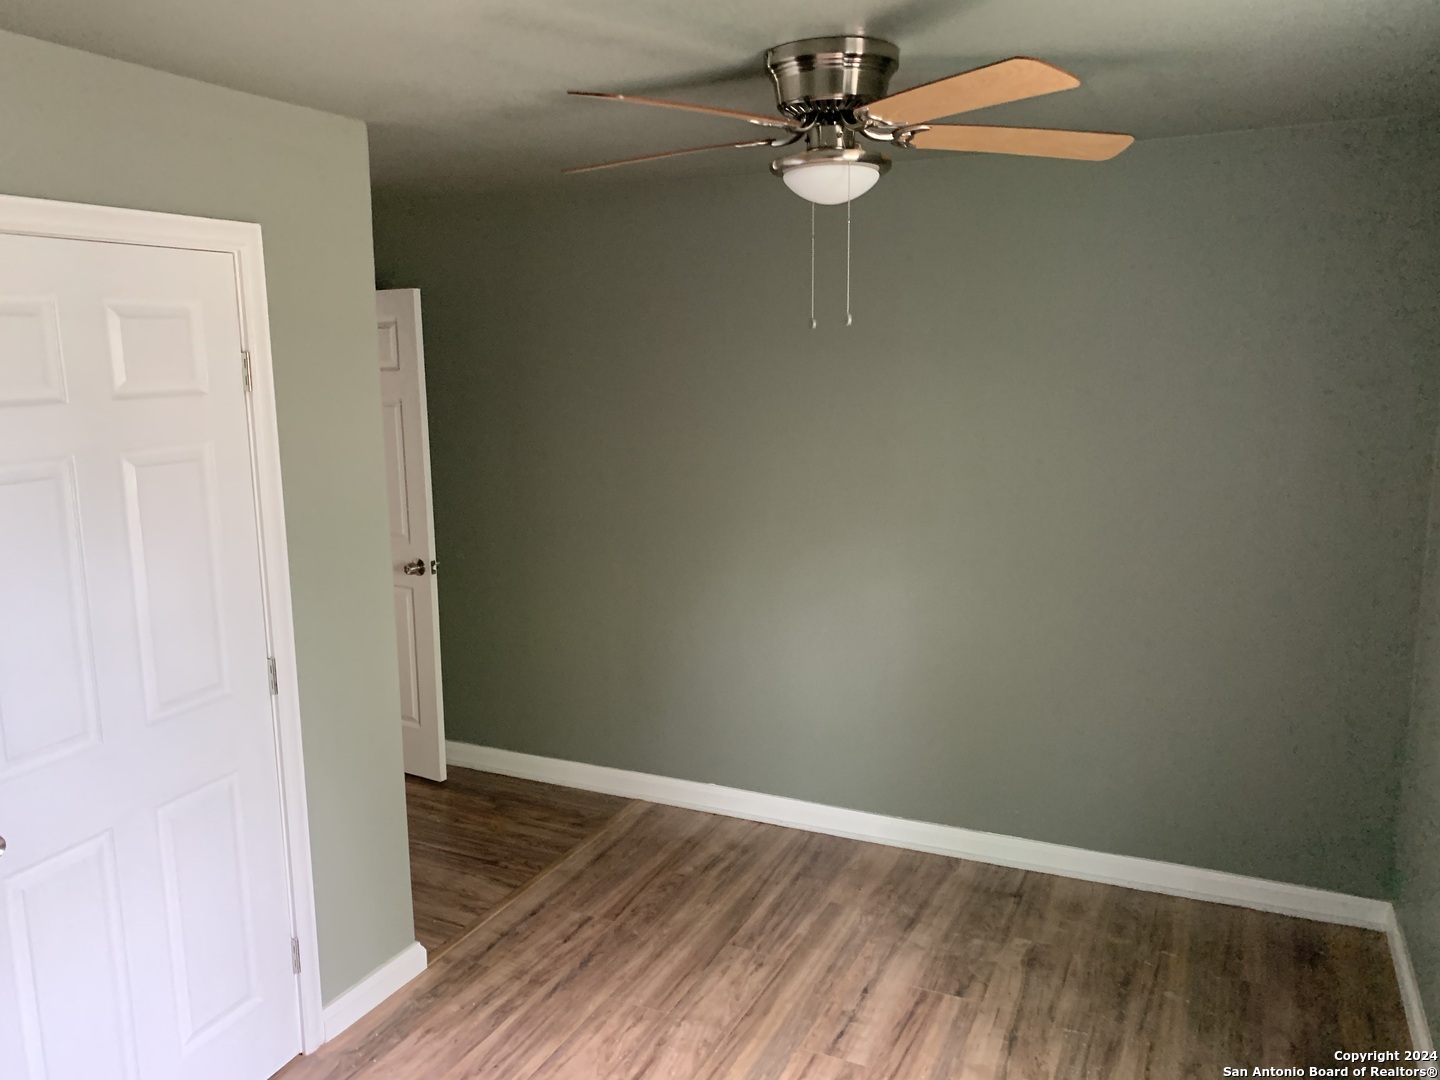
412	530
144	901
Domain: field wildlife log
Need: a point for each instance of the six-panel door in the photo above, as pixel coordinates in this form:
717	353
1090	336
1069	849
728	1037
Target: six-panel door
407	469
144	904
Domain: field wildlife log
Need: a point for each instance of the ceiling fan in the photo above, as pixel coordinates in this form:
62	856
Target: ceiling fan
834	90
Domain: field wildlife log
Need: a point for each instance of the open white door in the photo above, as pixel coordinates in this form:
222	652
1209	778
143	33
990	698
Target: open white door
145	901
412	529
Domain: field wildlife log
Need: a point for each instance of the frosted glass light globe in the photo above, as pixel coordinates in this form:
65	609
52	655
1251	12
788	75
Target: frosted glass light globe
831	182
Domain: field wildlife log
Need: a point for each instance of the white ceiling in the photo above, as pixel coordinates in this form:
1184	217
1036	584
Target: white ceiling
470	93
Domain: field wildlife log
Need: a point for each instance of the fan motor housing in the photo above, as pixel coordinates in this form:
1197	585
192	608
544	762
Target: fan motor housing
830	77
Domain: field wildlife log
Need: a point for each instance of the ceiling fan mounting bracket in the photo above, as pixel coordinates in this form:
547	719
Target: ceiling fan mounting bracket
901	135
827	79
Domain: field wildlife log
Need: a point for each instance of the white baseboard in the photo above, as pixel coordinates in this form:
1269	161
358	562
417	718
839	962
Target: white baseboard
373	989
1126	870
1409	985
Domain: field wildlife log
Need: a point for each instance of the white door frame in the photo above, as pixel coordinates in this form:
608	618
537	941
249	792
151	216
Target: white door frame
241	240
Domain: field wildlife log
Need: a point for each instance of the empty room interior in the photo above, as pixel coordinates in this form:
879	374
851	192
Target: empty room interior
760	541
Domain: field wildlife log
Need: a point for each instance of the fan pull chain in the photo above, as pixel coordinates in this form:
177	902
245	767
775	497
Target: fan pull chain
848	320
812	266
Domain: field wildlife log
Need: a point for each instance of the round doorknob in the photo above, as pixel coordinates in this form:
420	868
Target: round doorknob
2	845
415	569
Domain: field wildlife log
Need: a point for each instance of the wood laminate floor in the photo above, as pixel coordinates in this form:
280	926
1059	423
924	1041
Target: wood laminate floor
478	837
679	945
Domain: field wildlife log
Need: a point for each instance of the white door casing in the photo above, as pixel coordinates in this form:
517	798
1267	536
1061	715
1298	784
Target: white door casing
151	787
412	529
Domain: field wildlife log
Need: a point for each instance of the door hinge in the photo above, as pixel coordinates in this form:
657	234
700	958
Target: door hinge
274	677
295	955
245	370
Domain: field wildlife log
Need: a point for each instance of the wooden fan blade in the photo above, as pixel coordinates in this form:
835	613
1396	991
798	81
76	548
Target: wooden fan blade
668	153
995	84
1032	142
733	114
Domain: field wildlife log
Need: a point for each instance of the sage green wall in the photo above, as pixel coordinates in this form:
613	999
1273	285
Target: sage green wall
1417	903
81	128
1102	525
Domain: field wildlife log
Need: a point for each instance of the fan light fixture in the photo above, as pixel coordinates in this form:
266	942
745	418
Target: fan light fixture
830	181
831	174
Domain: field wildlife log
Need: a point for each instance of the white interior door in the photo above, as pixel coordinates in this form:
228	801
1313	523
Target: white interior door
412	529
145	924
